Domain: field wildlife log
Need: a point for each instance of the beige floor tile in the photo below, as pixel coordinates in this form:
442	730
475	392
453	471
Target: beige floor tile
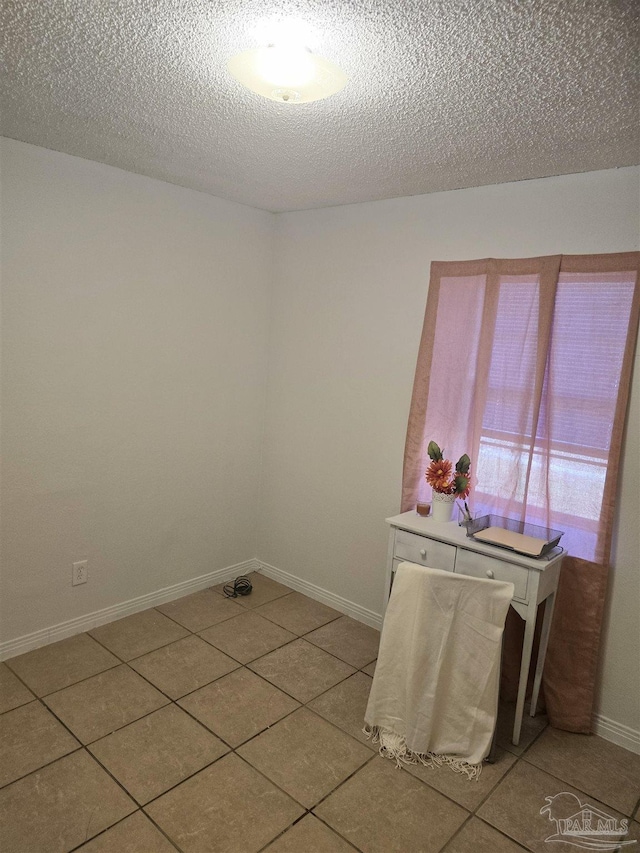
135	834
476	836
301	670
13	693
370	669
264	589
457	786
384	810
531	728
59	807
157	752
351	641
601	769
30	737
61	664
515	806
247	637
298	613
632	834
136	635
228	807
309	835
344	706
184	666
305	756
100	705
238	706
200	610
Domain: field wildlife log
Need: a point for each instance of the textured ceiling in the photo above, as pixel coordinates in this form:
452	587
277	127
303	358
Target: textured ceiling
442	93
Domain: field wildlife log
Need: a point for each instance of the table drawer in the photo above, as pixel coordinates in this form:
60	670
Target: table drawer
425	552
394	569
481	566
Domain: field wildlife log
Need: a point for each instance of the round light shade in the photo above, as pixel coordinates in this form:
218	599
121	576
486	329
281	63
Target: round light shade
290	75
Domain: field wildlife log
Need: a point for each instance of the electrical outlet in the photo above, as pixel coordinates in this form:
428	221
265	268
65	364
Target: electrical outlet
80	572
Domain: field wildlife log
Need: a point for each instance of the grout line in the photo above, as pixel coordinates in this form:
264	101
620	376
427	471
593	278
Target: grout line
499	781
464	823
207	729
170	700
310	643
234	750
231	749
268	726
535	738
195	689
42	767
59	689
275	785
118	728
337	832
271	781
575	787
24	684
286	829
243	663
177	784
17	707
83	748
343	782
102	832
311	814
161	830
486	823
185	627
122	820
127	661
60	722
329	689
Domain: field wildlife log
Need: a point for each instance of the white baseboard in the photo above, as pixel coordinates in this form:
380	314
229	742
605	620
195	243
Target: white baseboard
350	608
617	733
11	648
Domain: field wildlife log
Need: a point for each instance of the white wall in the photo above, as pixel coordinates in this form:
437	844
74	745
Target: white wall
134	317
134	360
348	305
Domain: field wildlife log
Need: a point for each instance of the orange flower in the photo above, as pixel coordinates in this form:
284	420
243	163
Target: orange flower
439	476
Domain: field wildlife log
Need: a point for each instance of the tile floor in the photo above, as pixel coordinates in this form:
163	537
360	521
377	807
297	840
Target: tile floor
210	725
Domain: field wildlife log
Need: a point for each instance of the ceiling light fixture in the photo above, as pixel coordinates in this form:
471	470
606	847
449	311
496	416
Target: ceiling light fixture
287	73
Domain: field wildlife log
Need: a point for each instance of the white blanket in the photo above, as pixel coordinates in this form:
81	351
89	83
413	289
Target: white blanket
434	696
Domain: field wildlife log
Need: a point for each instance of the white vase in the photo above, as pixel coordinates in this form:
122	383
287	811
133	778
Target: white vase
442	506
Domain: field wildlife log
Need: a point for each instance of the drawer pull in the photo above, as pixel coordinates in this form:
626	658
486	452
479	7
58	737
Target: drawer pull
489	573
423	552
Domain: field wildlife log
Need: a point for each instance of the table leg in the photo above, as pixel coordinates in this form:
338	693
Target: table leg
493	751
527	646
542	650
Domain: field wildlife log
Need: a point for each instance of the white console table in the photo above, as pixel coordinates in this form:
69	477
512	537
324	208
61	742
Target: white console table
446	546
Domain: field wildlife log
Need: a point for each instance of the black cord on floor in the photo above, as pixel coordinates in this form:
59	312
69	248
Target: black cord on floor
240	586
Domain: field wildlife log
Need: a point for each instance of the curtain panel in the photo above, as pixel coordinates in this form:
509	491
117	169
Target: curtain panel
526	364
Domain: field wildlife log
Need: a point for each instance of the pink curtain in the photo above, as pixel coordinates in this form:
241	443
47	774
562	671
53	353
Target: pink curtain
526	366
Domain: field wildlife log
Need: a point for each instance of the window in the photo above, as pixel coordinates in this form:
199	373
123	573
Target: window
523	368
526	366
554	468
